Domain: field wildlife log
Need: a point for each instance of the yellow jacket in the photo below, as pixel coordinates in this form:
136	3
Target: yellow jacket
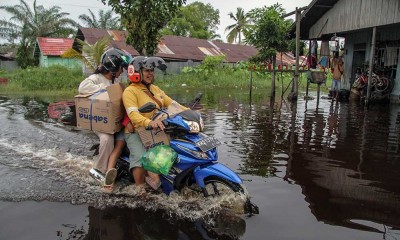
134	97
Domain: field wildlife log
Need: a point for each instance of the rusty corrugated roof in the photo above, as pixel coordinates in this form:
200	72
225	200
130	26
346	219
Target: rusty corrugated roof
236	53
177	48
174	47
92	35
54	46
184	48
289	59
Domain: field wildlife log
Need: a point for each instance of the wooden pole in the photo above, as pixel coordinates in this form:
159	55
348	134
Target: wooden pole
251	80
273	77
371	64
296	74
309	66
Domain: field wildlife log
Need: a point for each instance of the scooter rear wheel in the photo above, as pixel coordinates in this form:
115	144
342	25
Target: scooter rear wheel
215	186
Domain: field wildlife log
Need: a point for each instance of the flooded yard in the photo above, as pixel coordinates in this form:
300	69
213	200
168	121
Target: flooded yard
317	171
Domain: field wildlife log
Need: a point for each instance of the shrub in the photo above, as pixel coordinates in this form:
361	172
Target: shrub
55	77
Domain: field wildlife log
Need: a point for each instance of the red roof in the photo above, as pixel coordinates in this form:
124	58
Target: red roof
54	46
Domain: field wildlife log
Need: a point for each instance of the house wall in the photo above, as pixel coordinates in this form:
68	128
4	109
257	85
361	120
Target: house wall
353	43
8	65
388	35
176	67
47	61
349	15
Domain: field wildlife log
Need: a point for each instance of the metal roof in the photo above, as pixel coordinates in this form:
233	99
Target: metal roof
92	35
315	10
175	47
8	56
54	46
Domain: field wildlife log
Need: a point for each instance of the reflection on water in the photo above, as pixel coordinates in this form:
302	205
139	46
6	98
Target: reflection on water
345	157
123	223
342	156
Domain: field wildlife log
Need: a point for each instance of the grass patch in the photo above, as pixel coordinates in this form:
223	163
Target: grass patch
53	78
61	82
231	78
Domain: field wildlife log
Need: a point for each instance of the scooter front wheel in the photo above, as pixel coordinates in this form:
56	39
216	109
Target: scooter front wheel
216	186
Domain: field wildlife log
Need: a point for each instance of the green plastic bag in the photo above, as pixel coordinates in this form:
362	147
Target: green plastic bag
159	159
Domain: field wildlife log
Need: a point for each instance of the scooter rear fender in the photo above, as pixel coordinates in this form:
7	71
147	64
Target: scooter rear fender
214	169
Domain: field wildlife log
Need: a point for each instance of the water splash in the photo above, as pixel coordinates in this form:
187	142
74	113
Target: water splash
64	176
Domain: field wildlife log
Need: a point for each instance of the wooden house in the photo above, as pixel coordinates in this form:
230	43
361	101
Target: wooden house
49	51
177	51
7	60
367	26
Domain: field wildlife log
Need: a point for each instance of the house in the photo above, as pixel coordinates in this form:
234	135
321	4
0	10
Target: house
7	60
177	51
49	51
366	26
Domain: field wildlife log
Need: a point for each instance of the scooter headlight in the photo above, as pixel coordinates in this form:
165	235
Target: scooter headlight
195	127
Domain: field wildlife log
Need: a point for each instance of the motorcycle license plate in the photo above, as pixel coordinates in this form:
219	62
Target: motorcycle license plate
207	143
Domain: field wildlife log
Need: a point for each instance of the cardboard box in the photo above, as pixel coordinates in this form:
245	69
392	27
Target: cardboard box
152	138
102	111
173	108
156	137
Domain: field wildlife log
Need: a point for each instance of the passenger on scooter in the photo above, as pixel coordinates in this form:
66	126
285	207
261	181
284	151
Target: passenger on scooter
141	91
113	61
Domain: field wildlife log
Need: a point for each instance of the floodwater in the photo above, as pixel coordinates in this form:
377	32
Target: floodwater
326	171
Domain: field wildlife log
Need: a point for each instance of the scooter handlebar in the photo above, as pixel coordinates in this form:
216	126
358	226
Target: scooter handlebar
151	128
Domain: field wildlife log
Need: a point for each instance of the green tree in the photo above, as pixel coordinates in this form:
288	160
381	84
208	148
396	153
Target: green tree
144	19
196	20
90	55
270	31
105	20
269	35
27	24
242	24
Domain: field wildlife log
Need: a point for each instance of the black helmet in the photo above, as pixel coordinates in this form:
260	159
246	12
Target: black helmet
152	62
113	59
135	62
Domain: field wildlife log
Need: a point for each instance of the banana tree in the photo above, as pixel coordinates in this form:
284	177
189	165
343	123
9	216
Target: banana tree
90	55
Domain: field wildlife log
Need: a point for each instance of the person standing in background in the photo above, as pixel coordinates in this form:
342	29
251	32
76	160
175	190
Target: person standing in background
337	71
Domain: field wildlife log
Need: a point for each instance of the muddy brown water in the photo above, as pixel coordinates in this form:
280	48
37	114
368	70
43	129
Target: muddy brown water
326	171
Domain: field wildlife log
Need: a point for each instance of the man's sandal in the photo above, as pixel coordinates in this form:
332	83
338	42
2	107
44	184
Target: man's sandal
108	186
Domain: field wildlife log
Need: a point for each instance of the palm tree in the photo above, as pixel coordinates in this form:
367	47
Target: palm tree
36	22
236	29
90	55
106	20
27	24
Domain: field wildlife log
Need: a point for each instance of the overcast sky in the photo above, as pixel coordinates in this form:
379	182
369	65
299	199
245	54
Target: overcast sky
78	7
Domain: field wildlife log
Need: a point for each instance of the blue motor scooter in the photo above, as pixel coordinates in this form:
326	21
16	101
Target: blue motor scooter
196	166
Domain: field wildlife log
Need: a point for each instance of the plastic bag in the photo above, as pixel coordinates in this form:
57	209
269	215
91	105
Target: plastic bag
159	159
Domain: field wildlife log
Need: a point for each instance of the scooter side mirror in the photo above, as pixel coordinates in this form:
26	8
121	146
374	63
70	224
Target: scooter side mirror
147	107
